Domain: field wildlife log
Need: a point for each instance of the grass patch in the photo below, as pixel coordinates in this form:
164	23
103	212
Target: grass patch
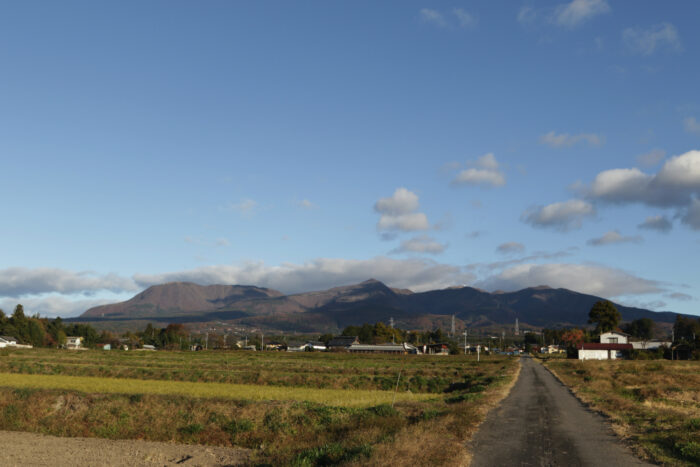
655	406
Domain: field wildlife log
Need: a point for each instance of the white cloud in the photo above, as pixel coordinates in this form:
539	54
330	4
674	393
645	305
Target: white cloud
691	125
433	17
421	244
562	216
464	18
613	237
404	222
245	206
321	274
597	280
526	15
658	223
51	306
683	297
487	269
510	248
18	282
398	212
647	41
222	242
691	215
562	140
578	11
651	158
486	173
306	204
674	185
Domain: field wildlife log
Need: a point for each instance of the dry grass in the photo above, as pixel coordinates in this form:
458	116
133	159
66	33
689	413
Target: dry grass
654	405
443	440
305	409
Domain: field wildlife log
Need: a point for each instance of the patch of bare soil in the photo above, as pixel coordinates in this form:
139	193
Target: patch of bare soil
23	449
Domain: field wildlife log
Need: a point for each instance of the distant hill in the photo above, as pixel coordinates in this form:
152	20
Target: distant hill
177	298
369	301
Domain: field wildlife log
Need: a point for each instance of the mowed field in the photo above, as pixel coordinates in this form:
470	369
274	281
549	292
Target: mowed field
299	409
654	405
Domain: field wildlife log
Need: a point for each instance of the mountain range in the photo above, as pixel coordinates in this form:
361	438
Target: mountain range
366	302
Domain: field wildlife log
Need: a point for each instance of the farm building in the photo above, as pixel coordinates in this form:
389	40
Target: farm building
602	351
383	348
650	345
7	341
436	349
307	347
342	342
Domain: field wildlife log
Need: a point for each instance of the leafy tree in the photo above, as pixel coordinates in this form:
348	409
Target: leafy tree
605	316
686	330
325	338
573	338
642	328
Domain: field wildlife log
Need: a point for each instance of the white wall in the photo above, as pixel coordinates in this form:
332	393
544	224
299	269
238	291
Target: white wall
595	354
606	336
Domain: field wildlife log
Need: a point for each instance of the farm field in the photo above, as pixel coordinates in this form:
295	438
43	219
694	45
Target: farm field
654	405
300	409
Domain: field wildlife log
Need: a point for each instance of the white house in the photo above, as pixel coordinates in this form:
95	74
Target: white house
551	349
74	343
614	337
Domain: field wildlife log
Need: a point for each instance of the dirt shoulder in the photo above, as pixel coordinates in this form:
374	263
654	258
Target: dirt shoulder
20	449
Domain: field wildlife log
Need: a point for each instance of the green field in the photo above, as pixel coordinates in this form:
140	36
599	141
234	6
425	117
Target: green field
300	409
653	405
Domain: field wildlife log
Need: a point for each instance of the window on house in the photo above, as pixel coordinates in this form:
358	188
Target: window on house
612	340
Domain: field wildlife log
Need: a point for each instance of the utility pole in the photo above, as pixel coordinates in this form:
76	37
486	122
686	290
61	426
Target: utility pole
206	342
452	328
262	341
465	342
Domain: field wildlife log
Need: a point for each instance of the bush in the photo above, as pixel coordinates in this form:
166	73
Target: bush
234	426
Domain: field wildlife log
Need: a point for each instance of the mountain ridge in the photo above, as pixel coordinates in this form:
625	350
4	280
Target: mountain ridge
367	301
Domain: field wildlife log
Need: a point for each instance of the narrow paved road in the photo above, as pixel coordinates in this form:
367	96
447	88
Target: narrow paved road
541	424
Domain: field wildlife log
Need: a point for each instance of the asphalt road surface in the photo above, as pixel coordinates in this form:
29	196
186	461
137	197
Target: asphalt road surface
542	424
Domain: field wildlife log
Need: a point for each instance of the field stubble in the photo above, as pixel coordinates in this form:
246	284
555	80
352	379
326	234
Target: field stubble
301	409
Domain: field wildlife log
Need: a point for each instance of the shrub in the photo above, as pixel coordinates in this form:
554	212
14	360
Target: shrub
234	426
192	429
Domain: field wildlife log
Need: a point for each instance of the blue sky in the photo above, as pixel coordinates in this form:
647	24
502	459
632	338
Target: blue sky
306	145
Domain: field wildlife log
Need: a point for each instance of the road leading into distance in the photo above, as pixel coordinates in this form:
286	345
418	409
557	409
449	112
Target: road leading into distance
542	424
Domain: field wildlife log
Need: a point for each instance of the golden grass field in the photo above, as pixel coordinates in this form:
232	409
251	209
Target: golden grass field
653	405
288	409
100	385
